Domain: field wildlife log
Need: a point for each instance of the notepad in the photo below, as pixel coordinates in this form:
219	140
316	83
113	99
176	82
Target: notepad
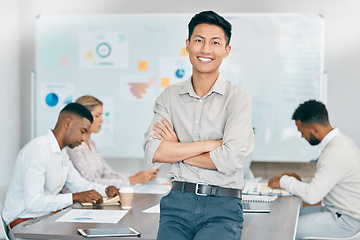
106	202
258	198
153	209
256	207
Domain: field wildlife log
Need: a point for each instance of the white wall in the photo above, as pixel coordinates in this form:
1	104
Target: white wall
342	48
9	93
9	87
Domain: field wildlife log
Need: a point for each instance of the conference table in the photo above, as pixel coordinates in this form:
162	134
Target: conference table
279	224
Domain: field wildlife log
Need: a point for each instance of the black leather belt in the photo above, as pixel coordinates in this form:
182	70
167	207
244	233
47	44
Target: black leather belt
206	190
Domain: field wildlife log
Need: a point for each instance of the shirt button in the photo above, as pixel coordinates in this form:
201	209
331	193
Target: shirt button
201	100
196	121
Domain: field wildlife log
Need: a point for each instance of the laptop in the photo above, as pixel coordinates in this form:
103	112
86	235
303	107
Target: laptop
256	207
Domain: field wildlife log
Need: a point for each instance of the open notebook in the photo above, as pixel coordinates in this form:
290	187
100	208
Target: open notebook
258	198
106	202
257	203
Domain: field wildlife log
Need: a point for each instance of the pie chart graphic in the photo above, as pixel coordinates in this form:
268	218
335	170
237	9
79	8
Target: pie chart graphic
180	73
51	99
103	50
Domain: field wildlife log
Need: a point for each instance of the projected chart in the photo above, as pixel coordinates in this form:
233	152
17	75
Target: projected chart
51	99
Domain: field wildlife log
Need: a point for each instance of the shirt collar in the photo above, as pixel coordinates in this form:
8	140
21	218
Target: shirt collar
218	87
328	138
53	142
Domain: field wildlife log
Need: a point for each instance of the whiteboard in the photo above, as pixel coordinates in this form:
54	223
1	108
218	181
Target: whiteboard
127	60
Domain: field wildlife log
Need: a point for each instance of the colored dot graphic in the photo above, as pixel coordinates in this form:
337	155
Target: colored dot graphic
180	73
51	99
103	50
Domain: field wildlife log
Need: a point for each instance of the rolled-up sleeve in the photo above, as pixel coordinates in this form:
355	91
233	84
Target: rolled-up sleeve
238	139
151	142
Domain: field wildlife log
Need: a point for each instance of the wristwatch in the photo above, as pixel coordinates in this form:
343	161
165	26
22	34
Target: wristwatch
108	188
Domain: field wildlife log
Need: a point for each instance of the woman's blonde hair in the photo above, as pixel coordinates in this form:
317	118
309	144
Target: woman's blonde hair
89	102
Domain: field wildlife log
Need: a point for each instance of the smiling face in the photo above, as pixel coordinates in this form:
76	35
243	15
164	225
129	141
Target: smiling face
207	49
77	131
97	112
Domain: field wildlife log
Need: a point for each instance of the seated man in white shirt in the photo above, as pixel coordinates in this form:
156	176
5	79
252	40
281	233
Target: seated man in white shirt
42	169
336	182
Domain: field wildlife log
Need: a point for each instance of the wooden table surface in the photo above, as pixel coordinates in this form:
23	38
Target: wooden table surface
279	224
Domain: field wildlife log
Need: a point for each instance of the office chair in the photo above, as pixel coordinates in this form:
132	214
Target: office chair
355	237
6	230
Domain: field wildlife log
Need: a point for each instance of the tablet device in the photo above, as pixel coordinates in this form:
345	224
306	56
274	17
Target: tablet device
109	232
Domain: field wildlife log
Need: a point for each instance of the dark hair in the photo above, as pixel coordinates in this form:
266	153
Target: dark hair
79	110
310	112
212	18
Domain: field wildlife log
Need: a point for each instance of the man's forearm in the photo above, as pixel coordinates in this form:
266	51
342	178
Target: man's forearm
203	161
169	152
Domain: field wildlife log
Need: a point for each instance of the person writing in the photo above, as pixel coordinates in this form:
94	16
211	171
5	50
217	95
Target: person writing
202	127
91	165
42	169
336	182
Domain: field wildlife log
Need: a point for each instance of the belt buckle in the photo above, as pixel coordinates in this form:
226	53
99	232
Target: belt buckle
197	190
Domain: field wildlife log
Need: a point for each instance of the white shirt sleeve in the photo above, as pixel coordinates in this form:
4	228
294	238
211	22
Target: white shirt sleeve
76	183
328	174
36	198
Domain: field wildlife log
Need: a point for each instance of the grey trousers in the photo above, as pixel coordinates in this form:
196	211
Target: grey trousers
322	221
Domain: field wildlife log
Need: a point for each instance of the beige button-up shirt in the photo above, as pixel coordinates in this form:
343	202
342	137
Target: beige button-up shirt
223	113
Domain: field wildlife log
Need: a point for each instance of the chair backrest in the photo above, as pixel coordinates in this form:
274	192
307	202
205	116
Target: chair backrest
355	237
6	230
3	189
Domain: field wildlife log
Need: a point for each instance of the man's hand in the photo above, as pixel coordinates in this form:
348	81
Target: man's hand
274	182
144	176
165	131
192	153
112	191
91	196
292	175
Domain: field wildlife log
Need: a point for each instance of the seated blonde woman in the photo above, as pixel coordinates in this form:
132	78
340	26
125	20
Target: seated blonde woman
91	165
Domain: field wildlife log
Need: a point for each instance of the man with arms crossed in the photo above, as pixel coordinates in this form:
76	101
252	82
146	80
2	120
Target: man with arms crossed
42	169
336	182
203	128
